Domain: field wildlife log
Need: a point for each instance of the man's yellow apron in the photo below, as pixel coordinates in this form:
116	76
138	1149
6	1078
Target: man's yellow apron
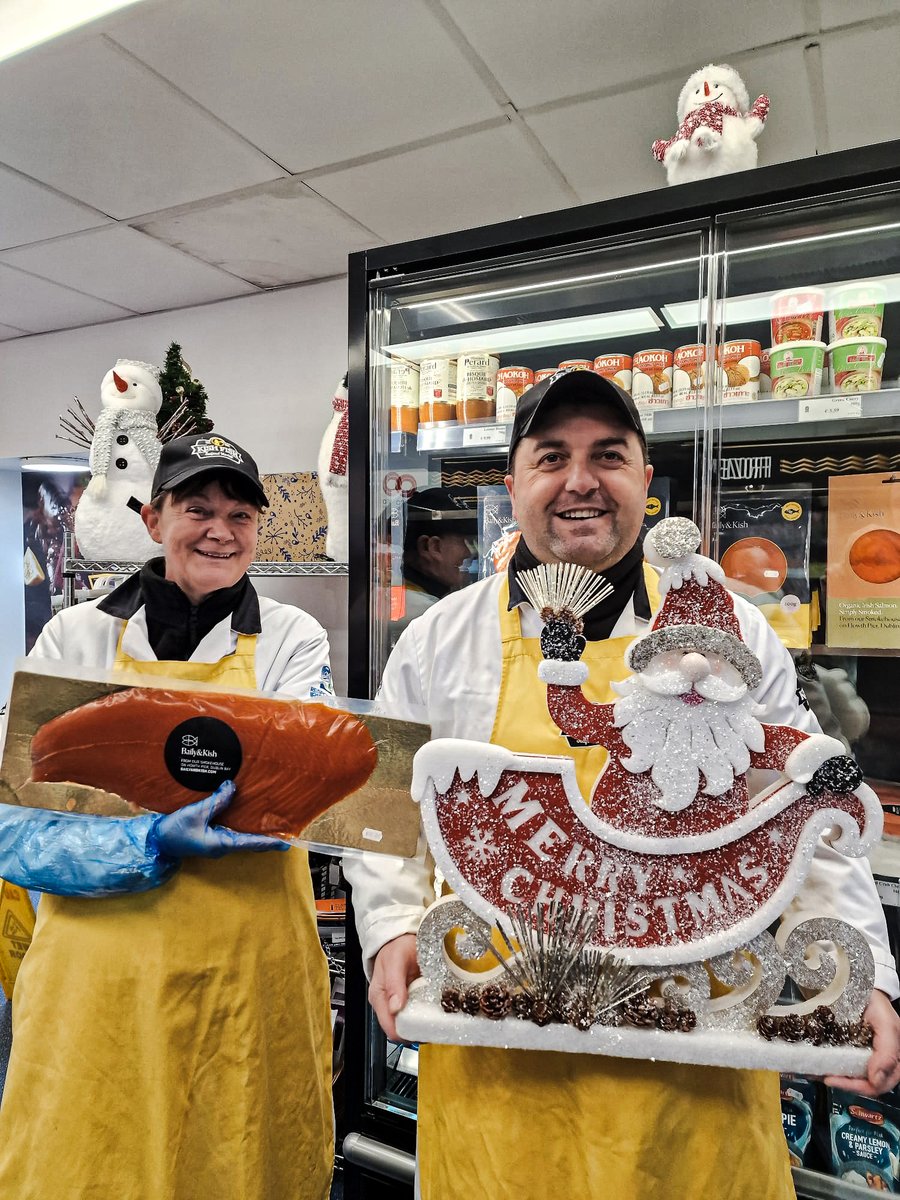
175	1044
536	1125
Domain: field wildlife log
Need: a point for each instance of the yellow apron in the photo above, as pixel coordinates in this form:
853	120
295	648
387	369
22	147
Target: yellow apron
175	1044
533	1125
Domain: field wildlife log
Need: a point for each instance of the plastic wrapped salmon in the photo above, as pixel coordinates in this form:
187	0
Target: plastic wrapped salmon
161	749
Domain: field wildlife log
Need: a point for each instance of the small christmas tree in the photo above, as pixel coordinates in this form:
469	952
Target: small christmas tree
178	385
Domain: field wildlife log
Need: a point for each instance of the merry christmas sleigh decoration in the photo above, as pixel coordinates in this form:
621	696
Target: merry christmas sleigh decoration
636	925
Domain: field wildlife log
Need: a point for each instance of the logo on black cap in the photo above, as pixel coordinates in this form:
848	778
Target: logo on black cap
216	447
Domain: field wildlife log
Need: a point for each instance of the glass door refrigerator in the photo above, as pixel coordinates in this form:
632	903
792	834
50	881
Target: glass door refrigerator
756	321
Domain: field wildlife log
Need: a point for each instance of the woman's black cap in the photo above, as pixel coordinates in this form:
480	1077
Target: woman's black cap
199	453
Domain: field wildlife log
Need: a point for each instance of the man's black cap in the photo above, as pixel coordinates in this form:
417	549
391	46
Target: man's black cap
199	453
572	386
440	510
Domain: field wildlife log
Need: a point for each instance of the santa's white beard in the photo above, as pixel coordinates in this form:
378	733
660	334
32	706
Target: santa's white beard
677	742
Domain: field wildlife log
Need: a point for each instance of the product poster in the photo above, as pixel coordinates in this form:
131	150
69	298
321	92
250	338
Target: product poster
48	501
293	527
863	593
764	551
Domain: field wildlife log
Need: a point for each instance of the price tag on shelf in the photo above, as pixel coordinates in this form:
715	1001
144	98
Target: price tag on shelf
484	435
829	408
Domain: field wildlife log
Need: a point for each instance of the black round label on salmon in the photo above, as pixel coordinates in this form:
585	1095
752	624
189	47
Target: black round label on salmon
202	752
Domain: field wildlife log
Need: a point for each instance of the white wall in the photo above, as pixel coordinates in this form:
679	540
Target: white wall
269	364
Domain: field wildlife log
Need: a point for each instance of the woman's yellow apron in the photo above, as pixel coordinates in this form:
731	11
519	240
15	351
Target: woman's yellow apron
175	1044
535	1125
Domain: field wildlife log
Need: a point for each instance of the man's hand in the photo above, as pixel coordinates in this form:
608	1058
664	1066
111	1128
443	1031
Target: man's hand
883	1068
189	832
396	966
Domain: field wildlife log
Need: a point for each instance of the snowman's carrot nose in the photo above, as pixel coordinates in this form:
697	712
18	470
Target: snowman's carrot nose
705	88
120	382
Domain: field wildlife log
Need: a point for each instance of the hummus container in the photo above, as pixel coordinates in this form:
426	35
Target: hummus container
437	390
857	311
796	369
651	381
616	367
797	315
476	387
856	364
404	398
688	375
740	366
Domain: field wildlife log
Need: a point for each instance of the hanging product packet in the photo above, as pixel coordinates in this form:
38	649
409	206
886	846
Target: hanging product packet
863	581
764	551
798	1107
865	1141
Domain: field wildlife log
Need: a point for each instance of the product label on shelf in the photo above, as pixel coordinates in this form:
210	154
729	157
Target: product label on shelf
829	408
485	435
888	890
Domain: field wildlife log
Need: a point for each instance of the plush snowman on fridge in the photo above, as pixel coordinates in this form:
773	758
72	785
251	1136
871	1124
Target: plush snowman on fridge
717	127
124	454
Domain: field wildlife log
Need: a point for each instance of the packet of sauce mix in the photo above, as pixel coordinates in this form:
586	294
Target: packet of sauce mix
865	1141
863	582
764	551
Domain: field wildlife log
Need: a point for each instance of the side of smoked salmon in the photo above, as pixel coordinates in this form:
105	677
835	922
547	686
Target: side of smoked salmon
161	749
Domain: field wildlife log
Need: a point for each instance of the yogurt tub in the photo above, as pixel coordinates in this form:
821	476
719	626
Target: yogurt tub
796	369
797	315
857	311
856	364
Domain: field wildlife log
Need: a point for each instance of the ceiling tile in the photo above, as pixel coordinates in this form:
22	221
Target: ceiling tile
578	136
862	86
29	211
541	52
839	12
7	333
463	182
94	124
313	84
280	233
38	306
128	268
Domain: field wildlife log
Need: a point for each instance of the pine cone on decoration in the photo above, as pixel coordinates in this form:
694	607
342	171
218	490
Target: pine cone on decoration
541	1012
792	1027
768	1026
813	1030
451	999
522	1005
861	1034
471	1001
495	1001
687	1020
668	1018
640	1012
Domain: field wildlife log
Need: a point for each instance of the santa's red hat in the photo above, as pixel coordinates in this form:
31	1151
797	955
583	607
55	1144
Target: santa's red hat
697	612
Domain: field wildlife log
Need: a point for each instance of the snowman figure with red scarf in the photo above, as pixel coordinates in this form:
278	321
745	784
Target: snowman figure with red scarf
717	128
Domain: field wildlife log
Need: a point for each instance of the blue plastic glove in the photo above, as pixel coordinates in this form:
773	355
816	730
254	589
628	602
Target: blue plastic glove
189	832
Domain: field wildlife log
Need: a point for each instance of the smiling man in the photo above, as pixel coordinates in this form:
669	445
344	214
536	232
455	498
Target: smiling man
526	1124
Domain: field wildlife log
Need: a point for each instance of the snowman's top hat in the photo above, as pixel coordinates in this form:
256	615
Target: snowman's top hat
201	454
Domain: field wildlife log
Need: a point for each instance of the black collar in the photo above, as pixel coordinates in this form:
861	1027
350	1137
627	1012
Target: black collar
170	614
626	576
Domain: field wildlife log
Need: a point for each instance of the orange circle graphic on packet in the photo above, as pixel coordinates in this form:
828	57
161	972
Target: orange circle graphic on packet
754	565
875	556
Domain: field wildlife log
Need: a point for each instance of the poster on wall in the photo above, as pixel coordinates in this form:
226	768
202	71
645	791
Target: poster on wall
48	502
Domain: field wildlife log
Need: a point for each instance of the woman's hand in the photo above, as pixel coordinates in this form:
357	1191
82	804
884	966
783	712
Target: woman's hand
190	833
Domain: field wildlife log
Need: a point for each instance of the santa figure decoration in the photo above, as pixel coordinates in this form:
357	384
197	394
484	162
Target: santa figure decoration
672	855
124	454
333	477
717	127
